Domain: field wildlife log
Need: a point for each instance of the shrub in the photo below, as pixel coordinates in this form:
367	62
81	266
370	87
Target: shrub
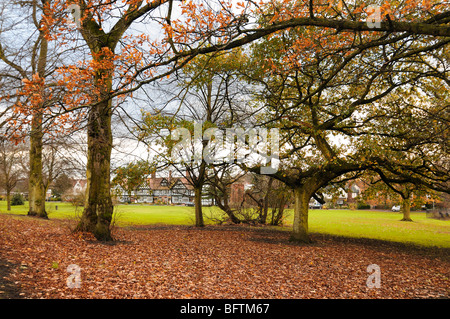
363	206
17	199
78	200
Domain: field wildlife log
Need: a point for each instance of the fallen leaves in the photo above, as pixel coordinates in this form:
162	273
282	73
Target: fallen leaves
214	262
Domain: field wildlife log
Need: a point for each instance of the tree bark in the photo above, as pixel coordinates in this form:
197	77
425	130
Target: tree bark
406	209
8	200
36	191
226	208
198	207
36	187
98	209
301	205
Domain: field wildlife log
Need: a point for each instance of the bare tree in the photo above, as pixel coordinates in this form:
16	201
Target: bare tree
207	97
10	167
29	62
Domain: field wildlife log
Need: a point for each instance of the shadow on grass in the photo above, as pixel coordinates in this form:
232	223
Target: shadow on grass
271	235
274	236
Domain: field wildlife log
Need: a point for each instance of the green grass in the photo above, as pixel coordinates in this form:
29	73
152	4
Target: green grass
146	214
388	226
350	223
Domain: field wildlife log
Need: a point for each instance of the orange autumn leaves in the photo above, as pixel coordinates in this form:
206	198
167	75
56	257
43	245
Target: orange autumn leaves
40	102
282	10
196	24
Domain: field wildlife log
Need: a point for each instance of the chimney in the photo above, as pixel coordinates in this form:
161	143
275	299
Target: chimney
170	176
187	174
153	175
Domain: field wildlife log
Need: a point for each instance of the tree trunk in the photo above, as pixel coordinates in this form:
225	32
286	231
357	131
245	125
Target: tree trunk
226	208
301	206
36	192
98	207
8	200
278	210
198	207
406	209
265	207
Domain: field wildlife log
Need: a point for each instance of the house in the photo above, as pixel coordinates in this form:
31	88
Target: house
48	194
181	192
237	193
77	187
159	190
353	191
340	197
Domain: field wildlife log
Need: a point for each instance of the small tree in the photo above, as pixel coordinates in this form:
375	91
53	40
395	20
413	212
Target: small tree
220	183
132	175
280	196
61	184
10	171
17	200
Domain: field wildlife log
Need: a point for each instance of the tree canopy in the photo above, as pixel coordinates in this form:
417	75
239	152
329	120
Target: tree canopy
351	87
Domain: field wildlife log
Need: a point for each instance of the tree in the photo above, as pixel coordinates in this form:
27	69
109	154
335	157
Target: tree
10	169
132	176
323	91
280	197
208	100
37	191
220	183
260	194
37	62
405	189
61	184
201	28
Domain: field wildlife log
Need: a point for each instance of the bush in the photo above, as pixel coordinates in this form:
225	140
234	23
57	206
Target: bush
363	206
78	199
17	199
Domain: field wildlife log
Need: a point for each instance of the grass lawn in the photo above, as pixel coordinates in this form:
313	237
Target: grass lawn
381	225
350	223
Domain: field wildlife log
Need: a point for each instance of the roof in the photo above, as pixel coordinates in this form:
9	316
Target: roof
155	183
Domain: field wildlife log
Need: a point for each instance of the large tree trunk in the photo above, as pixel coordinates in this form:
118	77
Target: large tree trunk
406	209
198	207
36	191
98	207
301	205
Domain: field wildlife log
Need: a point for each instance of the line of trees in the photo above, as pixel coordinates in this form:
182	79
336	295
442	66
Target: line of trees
347	97
58	169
